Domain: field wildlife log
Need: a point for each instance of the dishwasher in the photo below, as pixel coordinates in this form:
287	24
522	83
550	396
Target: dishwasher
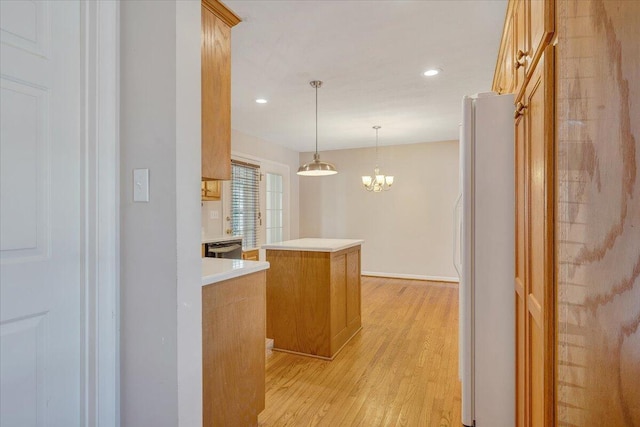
227	249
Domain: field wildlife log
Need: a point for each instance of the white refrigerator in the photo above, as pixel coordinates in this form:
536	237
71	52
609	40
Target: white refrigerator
485	259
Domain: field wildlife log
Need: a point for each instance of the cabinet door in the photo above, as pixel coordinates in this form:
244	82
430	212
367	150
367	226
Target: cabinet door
251	255
233	351
503	81
519	58
540	26
353	289
521	263
534	287
216	96
210	190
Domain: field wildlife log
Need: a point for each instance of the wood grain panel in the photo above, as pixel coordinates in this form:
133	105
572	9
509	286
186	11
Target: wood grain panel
216	96
400	370
233	350
540	284
520	47
503	77
310	298
535	381
598	207
338	299
541	27
298	301
251	255
521	385
521	280
353	289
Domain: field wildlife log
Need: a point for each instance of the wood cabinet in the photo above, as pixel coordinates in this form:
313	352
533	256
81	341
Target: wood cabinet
210	190
251	255
540	28
528	32
217	21
233	351
313	300
536	296
503	79
528	29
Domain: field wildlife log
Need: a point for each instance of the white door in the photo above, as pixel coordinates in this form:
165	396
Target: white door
274	200
40	250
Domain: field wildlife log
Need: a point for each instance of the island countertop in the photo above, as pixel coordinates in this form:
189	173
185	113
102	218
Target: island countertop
216	270
314	245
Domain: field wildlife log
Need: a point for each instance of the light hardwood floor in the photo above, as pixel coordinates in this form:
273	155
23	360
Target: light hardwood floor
400	370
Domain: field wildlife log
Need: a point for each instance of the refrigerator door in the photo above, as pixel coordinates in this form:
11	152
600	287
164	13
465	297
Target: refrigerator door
466	279
487	318
493	261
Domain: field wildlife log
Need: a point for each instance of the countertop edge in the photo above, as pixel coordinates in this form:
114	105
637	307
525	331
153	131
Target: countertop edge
248	267
313	248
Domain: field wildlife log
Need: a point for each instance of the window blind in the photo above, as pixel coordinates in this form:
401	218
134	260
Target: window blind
245	203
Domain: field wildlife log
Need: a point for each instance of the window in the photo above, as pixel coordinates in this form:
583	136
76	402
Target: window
245	203
274	208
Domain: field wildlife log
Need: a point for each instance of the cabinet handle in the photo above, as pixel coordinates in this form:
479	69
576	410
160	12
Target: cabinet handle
520	107
521	59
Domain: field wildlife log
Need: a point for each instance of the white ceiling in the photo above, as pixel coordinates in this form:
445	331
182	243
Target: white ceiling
370	56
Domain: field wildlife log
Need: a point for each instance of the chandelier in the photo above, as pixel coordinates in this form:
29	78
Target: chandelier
378	182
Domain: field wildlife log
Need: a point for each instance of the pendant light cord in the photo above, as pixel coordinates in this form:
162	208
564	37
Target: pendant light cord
316	119
377	154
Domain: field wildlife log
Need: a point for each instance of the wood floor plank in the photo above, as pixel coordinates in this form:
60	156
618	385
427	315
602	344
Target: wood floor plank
400	370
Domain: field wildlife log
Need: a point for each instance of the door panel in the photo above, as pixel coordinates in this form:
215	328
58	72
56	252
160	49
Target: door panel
534	284
521	280
353	287
536	379
40	213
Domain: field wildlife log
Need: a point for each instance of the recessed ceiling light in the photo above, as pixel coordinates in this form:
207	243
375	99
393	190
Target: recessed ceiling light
261	101
432	72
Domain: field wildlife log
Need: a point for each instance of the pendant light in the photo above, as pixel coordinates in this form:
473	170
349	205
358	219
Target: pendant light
317	167
378	181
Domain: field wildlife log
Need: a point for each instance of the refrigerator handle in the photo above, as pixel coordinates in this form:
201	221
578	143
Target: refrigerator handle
456	237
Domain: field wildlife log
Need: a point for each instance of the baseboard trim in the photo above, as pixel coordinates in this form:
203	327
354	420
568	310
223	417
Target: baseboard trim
411	276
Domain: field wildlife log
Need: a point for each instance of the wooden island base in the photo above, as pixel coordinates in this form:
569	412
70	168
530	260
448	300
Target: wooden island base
313	300
316	355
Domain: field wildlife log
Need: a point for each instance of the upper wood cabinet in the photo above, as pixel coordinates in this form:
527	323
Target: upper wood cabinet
540	28
503	79
217	21
210	190
528	29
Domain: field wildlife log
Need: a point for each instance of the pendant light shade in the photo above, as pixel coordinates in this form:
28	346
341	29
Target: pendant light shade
317	167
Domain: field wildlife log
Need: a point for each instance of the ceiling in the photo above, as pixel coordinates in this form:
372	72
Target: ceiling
370	56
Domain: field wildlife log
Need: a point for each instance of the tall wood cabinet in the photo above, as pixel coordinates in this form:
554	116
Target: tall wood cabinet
526	67
217	21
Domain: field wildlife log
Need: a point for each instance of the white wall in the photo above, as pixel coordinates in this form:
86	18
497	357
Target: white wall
242	143
211	227
188	175
160	258
408	231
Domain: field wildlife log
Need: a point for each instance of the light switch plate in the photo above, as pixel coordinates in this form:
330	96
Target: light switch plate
141	185
214	214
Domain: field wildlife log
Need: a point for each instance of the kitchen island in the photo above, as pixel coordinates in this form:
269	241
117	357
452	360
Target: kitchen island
313	295
233	341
